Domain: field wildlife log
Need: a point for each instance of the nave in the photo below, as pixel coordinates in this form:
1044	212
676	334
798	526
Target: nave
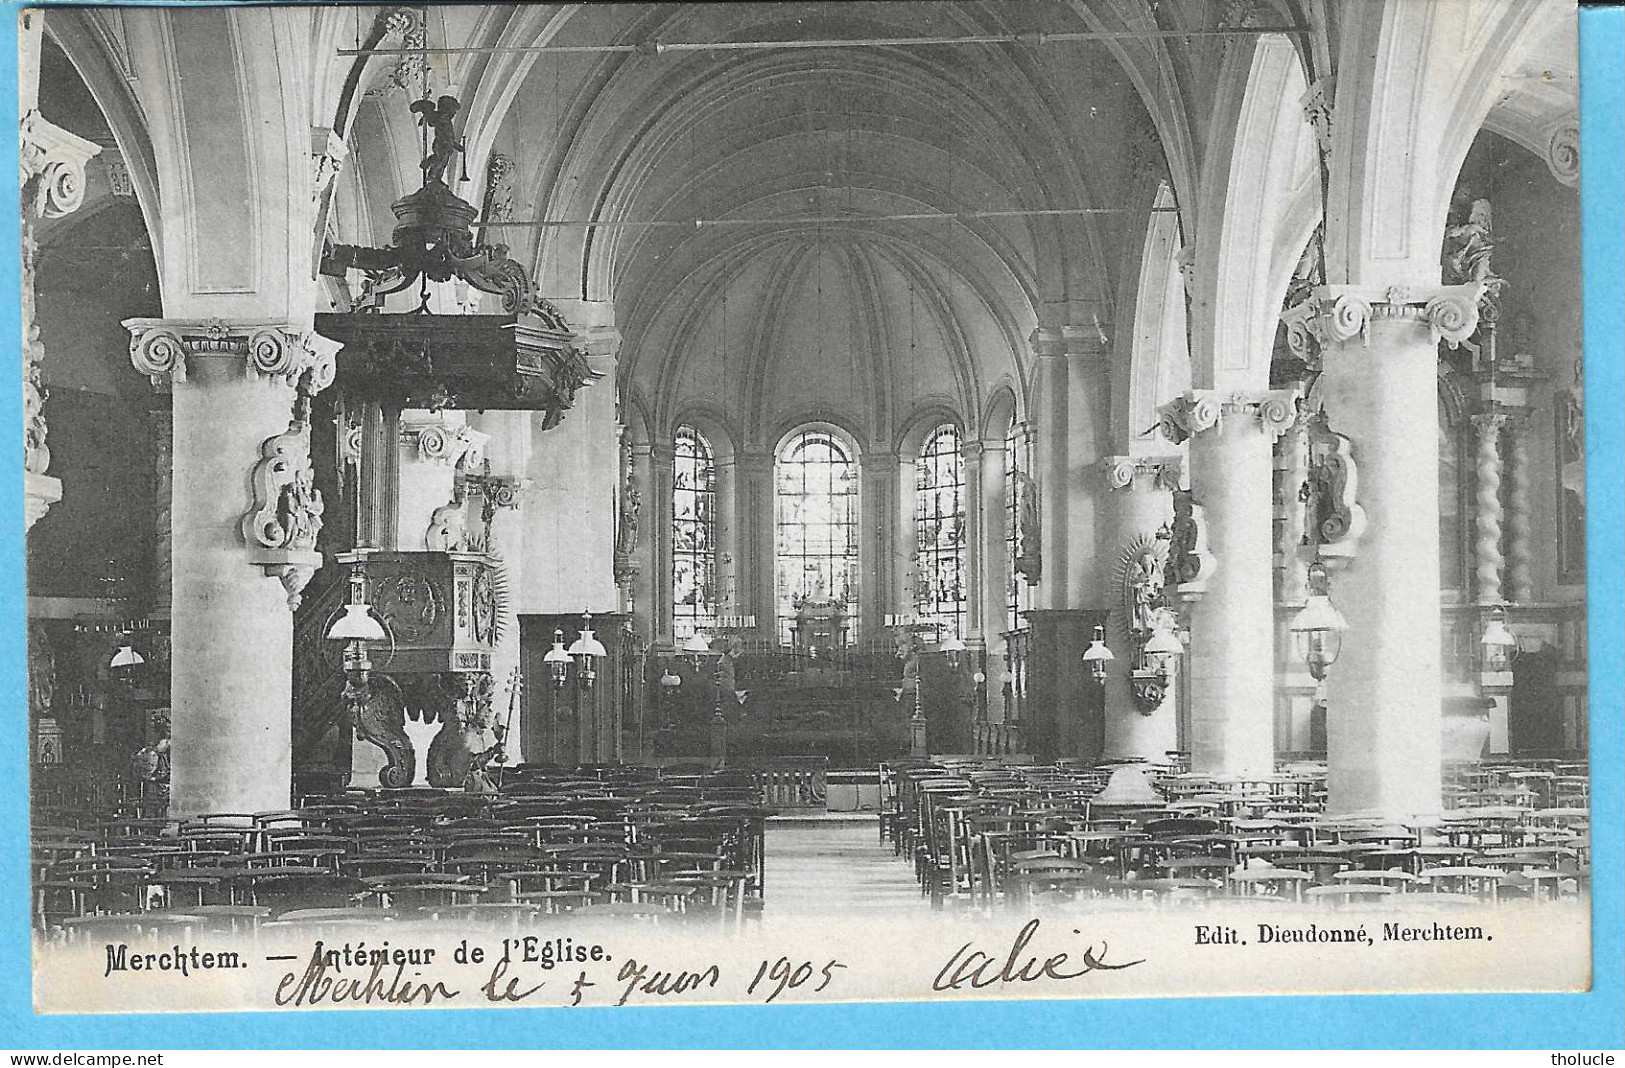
521	453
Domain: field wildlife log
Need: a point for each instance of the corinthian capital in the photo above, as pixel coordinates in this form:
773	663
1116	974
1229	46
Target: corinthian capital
1274	410
269	350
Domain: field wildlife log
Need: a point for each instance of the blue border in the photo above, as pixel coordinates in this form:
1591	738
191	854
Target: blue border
1551	1021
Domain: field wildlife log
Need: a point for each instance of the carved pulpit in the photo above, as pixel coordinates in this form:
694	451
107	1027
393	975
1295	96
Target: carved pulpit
441	611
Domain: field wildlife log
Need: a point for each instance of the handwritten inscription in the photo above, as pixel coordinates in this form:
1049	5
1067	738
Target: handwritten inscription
977	968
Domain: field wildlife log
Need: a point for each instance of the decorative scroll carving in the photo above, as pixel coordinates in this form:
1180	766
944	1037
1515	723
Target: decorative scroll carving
1129	472
1190	566
407	75
1468	247
1202	409
1338	314
1149	690
281	527
1335	519
380	718
438	441
1563	153
52	167
273	351
448	528
1029	556
52	176
1487	558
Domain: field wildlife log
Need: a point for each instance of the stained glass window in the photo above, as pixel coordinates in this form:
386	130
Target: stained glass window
816	520
939	533
693	535
1016	461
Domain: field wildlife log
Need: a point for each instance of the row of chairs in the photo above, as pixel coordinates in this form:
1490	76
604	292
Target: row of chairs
979	832
605	841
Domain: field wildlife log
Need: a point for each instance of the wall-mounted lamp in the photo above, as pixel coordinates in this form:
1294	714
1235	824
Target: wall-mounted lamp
586	651
1317	628
355	628
557	661
1097	656
1500	645
954	646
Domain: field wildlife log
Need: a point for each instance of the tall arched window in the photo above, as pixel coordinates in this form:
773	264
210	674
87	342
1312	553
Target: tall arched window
816	518
693	535
1017	463
939	533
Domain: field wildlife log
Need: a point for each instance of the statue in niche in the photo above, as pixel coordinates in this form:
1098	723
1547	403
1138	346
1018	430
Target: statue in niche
1146	582
41	671
1029	556
1185	562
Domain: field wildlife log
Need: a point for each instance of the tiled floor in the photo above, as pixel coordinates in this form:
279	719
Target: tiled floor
841	867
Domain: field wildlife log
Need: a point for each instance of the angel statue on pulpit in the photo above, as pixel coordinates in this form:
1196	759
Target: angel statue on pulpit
438	116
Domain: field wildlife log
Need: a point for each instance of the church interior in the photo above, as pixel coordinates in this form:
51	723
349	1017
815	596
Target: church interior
583	458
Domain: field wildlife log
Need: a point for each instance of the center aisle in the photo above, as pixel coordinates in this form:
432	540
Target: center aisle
836	866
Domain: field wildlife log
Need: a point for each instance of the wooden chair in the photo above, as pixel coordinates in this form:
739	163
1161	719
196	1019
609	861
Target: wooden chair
1285	884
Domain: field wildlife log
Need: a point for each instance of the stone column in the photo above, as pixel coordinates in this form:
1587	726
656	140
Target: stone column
1050	465
1518	519
642	554
1088	430
989	505
753	553
977	609
1383	695
1232	649
241	419
52	177
1487	558
662	473
885	542
1140	503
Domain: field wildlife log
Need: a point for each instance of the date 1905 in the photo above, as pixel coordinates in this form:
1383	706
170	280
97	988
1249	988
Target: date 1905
786	974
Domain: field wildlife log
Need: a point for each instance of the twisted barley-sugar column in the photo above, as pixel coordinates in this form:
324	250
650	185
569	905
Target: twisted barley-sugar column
1518	522
1487	557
